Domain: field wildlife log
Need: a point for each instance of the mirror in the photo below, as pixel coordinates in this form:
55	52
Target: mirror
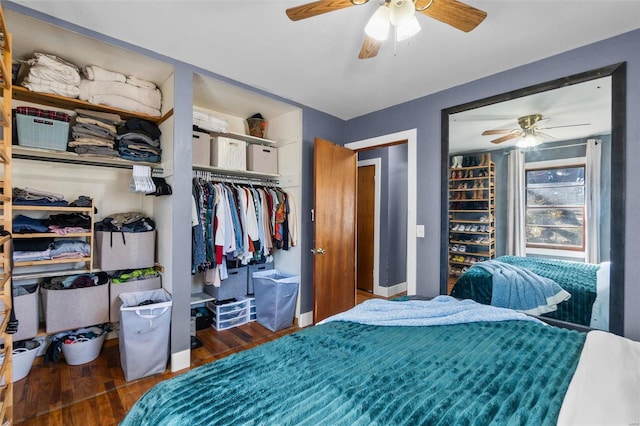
555	227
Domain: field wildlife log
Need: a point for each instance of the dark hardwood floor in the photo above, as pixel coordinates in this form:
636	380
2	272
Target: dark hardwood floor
96	393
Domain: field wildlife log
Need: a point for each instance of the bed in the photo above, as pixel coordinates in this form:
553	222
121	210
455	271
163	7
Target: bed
586	283
410	362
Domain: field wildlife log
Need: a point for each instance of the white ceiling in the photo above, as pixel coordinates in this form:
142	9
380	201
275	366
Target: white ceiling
314	61
586	103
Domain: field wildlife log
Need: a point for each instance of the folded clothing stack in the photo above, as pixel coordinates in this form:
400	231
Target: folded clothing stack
114	89
35	197
50	74
94	133
139	140
205	120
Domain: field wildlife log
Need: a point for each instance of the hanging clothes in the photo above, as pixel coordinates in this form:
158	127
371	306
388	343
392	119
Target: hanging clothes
239	222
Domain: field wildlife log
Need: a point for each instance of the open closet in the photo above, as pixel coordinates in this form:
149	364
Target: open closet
275	174
109	182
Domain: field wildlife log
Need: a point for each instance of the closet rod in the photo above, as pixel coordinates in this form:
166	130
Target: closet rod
222	177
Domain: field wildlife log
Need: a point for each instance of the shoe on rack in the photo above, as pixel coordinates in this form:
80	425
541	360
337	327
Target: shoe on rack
454	247
462	248
474	228
484	219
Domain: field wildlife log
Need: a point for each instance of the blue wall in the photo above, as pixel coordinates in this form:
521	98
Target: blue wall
393	212
424	115
314	124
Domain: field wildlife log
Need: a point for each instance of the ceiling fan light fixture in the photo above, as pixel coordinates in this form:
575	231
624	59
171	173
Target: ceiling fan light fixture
408	29
378	26
401	11
528	140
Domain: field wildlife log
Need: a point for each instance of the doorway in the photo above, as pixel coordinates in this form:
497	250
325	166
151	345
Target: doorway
410	138
368	228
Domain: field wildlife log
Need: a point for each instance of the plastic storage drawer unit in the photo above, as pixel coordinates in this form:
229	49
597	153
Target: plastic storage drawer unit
230	314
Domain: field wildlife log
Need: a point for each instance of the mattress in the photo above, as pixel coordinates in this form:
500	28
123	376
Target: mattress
346	373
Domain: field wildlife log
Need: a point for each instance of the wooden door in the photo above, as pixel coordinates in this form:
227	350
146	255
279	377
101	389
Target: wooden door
366	229
334	264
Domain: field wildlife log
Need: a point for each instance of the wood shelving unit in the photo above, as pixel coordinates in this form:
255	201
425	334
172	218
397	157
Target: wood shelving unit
87	236
471	215
6	367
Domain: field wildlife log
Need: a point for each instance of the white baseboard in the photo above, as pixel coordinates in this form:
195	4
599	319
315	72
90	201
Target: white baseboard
393	290
305	319
180	360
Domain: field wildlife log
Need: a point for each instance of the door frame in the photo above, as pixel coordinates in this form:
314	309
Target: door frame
411	136
377	166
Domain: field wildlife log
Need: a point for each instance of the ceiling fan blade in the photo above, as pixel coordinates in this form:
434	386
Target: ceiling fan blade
498	132
544	135
566	125
370	47
506	138
316	8
457	14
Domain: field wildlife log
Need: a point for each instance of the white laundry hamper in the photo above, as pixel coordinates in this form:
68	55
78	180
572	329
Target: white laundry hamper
144	333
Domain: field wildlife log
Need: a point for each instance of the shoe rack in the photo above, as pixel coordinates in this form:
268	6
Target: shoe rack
471	211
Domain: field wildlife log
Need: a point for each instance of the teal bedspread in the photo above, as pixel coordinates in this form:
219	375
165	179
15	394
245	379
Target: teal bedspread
579	279
344	373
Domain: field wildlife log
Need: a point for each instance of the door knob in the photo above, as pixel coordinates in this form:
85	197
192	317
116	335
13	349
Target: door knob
319	250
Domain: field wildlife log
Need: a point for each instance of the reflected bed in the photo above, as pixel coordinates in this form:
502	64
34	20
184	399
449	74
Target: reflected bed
587	284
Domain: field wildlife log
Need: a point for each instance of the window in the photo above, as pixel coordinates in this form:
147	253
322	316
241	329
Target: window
555	208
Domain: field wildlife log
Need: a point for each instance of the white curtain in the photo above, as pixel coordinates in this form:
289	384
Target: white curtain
592	202
516	237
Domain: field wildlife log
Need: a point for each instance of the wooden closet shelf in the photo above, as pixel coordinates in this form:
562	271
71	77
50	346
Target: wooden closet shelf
47	274
51	262
26	95
246	138
73	158
4	198
52	208
52	235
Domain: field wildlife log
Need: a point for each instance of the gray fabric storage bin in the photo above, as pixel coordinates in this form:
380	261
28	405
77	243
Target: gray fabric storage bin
125	250
27	313
234	287
256	268
276	294
144	333
75	308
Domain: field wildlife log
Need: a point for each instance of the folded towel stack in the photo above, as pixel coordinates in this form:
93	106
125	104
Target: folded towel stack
114	89
94	133
207	121
139	140
50	74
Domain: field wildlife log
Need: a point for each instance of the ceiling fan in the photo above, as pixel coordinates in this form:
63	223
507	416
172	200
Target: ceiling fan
399	14
528	131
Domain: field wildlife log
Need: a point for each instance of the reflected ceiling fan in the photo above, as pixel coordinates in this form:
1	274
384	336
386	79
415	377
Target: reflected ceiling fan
528	131
399	14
